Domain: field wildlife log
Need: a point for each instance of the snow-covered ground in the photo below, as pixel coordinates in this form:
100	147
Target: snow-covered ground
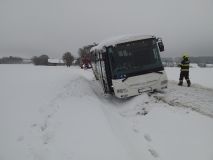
51	113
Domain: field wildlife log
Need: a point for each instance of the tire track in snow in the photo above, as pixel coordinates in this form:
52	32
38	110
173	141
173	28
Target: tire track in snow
122	130
196	98
108	104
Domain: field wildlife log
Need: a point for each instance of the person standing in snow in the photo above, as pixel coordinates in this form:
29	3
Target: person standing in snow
184	71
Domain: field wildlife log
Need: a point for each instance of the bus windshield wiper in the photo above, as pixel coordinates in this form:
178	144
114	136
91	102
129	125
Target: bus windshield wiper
125	78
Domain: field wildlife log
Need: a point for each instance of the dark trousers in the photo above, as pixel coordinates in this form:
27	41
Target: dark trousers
184	74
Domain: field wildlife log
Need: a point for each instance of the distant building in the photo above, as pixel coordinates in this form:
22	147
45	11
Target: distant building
209	65
201	65
27	61
55	62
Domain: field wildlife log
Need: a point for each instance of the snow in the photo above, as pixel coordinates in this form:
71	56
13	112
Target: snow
120	39
194	65
198	76
51	113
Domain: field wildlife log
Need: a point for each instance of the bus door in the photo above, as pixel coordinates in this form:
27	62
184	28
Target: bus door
102	72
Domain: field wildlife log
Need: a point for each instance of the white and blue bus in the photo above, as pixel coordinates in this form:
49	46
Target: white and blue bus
129	65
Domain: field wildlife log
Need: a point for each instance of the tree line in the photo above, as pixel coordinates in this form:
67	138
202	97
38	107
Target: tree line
11	60
84	53
68	58
201	61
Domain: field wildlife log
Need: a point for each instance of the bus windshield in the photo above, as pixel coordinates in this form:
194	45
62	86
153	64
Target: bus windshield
134	58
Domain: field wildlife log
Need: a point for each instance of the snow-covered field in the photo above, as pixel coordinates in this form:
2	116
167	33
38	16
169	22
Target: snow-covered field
52	113
202	76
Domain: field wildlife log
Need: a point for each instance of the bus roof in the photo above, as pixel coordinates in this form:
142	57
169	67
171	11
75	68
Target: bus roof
118	40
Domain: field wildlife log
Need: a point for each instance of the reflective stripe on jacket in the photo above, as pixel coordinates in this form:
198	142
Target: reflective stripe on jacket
184	65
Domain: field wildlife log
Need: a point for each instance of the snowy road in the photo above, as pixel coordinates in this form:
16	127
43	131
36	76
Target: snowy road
51	113
196	97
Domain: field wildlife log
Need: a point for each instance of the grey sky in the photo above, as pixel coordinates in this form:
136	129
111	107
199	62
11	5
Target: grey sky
34	27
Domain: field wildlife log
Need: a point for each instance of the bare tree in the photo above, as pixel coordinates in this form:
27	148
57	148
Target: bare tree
84	55
11	60
68	58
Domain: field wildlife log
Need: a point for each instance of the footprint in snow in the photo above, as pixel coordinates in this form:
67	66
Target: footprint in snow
136	130
143	112
153	153
46	138
34	125
43	127
147	137
20	139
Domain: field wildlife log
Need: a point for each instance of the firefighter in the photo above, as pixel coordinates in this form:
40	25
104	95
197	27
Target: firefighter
184	71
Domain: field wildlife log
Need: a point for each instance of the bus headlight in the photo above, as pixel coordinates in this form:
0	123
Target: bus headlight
164	82
122	90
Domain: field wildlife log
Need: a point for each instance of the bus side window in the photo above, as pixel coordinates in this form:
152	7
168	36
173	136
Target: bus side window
100	56
96	57
93	57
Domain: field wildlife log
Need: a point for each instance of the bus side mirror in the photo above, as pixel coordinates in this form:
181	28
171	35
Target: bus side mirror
160	45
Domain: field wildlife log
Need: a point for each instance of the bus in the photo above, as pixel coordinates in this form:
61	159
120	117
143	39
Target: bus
127	66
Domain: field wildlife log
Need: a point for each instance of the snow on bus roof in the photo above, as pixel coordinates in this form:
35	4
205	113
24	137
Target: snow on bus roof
118	40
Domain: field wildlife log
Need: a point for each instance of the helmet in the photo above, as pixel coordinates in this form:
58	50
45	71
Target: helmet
185	56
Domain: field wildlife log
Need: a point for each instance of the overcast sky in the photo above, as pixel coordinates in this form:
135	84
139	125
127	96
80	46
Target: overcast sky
34	27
